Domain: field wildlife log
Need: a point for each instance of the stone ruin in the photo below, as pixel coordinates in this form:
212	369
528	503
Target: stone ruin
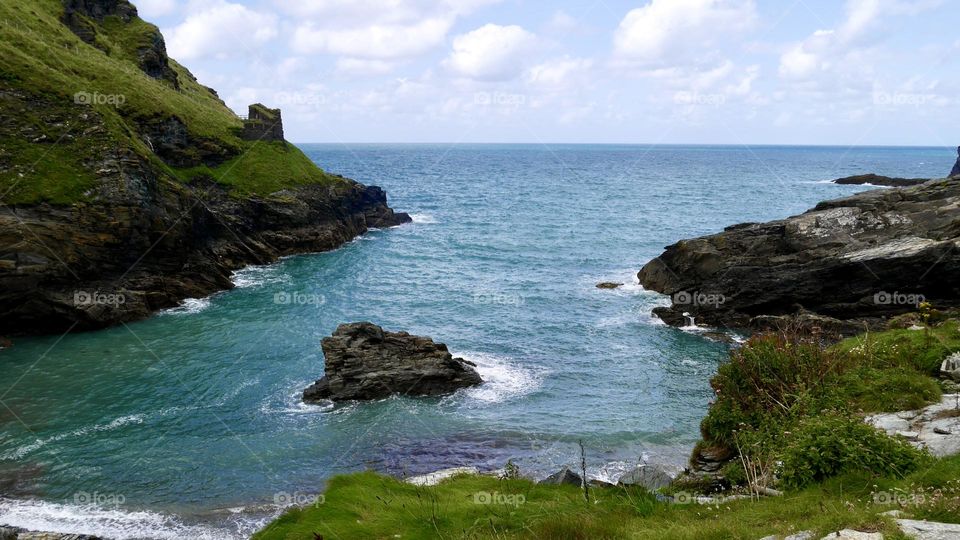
262	124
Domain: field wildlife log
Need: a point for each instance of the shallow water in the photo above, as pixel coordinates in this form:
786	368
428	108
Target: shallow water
190	425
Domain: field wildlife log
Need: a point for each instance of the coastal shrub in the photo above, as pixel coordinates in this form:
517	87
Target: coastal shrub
833	444
773	376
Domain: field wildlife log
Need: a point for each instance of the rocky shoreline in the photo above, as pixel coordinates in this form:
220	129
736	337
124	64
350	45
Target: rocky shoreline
846	265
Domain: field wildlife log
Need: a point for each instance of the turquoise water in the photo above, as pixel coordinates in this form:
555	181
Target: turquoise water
189	424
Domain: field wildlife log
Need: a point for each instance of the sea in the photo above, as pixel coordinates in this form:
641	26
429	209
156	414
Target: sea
190	424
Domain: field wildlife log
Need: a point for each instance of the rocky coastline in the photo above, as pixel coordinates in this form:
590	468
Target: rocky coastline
878	180
846	265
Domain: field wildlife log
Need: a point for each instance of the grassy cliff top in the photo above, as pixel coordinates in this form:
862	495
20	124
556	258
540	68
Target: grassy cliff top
65	102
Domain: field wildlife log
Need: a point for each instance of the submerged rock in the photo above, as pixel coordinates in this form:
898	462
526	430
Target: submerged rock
363	361
877	180
609	285
859	259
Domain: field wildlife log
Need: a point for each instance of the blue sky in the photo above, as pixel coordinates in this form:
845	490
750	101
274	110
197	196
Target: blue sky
851	72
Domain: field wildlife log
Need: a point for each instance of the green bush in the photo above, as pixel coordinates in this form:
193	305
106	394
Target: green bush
833	444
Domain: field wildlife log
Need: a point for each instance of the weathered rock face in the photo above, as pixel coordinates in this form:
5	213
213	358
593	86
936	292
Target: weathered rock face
861	258
149	243
877	180
935	428
365	362
956	166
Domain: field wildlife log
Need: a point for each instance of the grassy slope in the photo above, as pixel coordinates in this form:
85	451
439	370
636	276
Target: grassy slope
885	371
43	57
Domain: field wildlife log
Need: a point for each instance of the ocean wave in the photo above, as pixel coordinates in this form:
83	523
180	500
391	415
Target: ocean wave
40	443
292	402
256	276
502	380
190	306
110	522
423	218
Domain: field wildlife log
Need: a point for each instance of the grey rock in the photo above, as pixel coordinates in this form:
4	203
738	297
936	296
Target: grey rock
850	534
609	285
929	530
853	260
935	428
363	361
956	166
950	367
651	476
563	477
877	180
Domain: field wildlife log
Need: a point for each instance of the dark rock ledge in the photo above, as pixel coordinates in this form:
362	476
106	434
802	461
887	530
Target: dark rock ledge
846	264
877	180
363	362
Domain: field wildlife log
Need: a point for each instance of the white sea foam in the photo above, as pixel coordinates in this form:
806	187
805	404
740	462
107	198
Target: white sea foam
114	522
256	276
502	380
423	218
291	402
189	306
81	432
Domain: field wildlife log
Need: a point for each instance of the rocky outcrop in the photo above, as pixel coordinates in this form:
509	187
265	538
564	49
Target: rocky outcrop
563	477
956	166
151	242
152	58
935	428
650	476
858	259
877	180
14	533
363	362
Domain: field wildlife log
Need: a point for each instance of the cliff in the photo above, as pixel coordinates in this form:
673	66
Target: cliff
846	263
126	186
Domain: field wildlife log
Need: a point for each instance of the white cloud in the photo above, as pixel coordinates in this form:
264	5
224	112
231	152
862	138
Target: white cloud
364	67
383	41
559	71
491	52
220	29
671	32
155	8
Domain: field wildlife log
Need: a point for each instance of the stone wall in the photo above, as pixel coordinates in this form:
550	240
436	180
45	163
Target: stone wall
263	124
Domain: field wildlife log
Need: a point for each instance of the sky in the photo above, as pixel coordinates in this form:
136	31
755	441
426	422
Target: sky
844	72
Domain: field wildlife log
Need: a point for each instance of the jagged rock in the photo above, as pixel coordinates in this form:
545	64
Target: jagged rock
650	476
950	367
877	180
862	258
365	362
563	477
956	166
929	530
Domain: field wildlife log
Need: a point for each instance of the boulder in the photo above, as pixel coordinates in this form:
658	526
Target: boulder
860	259
650	476
563	477
609	285
363	361
950	367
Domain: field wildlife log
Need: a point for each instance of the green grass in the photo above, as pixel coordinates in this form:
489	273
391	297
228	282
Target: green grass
41	59
370	506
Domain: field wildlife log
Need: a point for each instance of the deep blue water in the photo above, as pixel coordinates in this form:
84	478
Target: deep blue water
170	422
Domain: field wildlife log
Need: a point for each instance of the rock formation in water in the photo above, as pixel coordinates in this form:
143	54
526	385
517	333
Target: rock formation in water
848	262
127	186
956	166
877	180
362	362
